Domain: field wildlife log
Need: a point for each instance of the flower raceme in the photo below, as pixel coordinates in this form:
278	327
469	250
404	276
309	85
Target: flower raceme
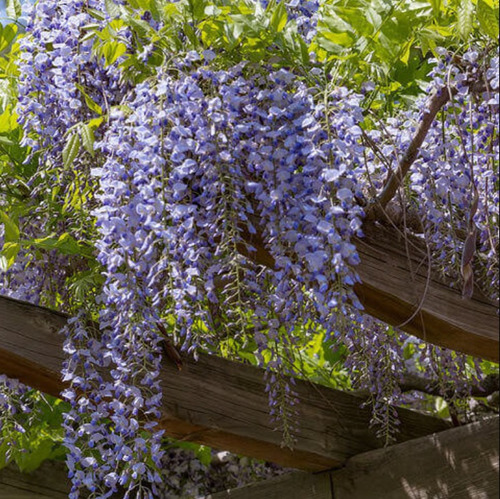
187	167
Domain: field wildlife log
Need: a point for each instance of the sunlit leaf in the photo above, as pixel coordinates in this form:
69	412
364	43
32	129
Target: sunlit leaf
71	150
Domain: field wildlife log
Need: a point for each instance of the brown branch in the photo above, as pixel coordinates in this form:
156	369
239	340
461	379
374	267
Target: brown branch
395	179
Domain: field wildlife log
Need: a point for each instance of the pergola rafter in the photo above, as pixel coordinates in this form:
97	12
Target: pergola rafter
223	404
214	401
461	463
400	288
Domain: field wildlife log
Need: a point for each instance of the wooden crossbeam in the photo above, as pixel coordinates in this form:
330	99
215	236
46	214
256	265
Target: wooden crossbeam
398	288
50	481
461	463
213	401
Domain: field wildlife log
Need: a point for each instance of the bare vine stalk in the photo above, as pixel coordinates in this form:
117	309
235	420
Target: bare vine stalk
396	178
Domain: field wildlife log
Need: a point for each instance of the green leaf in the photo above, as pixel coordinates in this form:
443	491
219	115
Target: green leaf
84	283
91	104
112	8
9	254
13	9
343	39
8	122
279	18
356	18
112	51
7	34
204	454
95	123
441	407
212	10
488	19
405	53
71	150
88	139
66	244
437	5
6	141
465	19
42	448
11	228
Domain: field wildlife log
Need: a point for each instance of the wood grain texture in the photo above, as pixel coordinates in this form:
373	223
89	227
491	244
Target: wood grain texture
397	281
9	492
50	481
461	463
293	486
225	403
397	287
213	401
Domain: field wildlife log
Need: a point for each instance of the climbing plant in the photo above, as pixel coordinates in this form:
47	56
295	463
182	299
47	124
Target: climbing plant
147	147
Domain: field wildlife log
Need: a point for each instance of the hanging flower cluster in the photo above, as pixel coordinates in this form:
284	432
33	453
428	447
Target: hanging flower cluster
455	179
57	63
451	186
13	401
195	172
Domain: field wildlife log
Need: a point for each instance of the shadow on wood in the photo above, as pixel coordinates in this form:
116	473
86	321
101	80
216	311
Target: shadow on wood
214	401
49	481
397	288
461	463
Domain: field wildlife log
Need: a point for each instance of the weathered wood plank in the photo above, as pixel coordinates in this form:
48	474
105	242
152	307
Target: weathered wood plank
233	414
391	293
8	492
213	401
293	486
50	481
396	287
461	463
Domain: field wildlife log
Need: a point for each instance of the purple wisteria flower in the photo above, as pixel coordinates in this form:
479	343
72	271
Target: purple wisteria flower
193	167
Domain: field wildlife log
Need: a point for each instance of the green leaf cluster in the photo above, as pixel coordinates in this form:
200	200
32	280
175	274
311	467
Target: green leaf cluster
391	43
41	435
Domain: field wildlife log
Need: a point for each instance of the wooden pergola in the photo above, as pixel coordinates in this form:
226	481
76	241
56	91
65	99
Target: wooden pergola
224	405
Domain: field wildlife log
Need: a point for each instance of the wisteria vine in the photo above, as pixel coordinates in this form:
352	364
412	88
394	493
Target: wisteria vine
186	171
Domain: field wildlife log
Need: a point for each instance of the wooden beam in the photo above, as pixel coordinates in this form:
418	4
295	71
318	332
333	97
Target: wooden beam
213	401
398	289
290	486
50	481
461	463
